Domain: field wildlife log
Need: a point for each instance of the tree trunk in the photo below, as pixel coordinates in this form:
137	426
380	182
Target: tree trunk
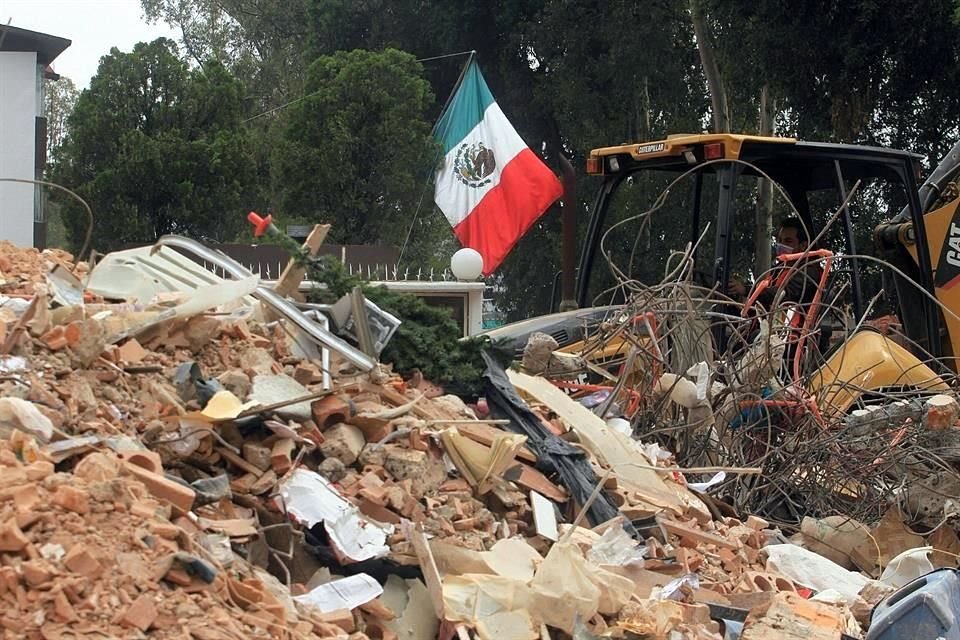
764	213
718	95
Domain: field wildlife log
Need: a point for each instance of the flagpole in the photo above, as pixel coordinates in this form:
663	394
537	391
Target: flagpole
456	87
443	111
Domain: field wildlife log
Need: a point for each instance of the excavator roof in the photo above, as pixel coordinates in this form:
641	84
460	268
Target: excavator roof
810	165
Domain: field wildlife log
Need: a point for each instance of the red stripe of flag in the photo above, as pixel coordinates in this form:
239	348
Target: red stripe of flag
526	189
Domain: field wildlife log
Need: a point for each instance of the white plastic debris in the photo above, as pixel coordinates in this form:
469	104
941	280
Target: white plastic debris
616	547
310	498
907	566
52	552
346	593
703	487
813	571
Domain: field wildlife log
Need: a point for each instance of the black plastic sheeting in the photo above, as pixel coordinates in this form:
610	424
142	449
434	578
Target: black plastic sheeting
554	455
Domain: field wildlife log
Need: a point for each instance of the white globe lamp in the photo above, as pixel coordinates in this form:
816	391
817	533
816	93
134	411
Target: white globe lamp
466	264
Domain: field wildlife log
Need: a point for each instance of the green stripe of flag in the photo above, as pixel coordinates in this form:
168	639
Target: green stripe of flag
465	110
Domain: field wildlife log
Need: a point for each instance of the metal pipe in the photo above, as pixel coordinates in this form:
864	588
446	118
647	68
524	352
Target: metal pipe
270	297
568	225
851	242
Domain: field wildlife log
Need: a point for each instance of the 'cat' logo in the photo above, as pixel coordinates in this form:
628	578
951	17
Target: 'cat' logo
948	267
953	253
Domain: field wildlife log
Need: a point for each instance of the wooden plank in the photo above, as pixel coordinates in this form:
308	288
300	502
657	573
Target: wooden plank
485	434
431	575
532	480
19	326
544	517
239	462
293	273
695	535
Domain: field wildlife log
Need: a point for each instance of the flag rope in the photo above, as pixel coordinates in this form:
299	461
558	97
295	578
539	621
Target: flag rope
426	184
310	95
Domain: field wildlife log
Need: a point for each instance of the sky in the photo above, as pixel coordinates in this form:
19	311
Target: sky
94	26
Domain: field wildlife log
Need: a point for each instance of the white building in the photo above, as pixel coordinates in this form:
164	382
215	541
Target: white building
25	57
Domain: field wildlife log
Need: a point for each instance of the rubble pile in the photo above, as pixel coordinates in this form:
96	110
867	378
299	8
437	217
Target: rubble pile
193	463
92	552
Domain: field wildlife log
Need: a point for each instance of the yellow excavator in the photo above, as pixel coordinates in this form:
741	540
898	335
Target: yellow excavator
864	205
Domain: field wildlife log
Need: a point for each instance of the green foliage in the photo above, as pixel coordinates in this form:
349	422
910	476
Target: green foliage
570	76
863	71
428	339
357	153
61	96
156	148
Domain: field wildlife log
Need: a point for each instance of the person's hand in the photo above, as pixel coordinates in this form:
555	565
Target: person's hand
736	288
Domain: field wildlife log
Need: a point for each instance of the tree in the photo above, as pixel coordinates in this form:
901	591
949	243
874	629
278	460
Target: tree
358	151
576	79
711	70
61	97
262	42
156	148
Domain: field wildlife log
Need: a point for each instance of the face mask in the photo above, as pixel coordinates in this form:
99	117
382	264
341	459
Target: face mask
782	249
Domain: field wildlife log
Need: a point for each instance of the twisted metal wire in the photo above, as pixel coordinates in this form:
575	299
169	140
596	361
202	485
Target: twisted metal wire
856	464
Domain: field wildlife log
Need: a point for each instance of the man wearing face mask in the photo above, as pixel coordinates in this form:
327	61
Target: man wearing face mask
798	279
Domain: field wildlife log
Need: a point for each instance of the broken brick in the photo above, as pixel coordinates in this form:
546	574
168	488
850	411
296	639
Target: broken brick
80	560
11	537
165	529
62	609
378	512
72	499
35	573
280	455
55	338
257	455
131	351
26	497
178	577
330	409
176	494
342	618
39	470
141	614
343	442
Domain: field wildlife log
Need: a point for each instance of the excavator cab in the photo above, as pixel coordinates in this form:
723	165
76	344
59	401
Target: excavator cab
695	199
705	191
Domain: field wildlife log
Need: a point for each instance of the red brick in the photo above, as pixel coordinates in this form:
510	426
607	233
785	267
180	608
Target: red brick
131	351
80	560
141	614
376	495
378	512
39	470
176	494
342	618
144	459
417	442
280	455
62	609
55	339
35	573
165	529
25	520
179	577
329	410
26	497
11	537
72	499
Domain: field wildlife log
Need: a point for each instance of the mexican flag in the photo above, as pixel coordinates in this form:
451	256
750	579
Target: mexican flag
491	186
